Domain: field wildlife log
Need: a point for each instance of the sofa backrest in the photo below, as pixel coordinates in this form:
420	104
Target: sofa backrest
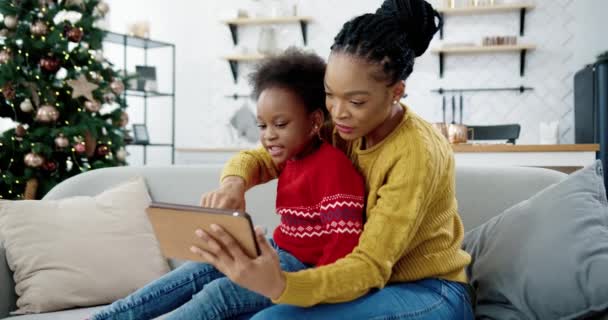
174	184
482	192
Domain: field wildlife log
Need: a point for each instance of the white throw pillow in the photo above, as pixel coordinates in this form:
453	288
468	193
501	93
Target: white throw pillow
80	251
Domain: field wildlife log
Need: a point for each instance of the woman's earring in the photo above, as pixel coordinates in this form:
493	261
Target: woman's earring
317	132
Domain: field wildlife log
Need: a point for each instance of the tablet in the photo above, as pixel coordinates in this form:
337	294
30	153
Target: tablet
174	226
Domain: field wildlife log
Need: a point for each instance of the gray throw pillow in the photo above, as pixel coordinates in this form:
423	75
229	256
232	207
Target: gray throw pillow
546	257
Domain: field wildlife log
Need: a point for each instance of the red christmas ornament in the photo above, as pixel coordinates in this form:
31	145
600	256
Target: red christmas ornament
49	166
75	34
103	150
80	148
20	131
50	64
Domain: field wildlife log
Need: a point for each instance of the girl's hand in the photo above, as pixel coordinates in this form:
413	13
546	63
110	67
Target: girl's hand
262	274
230	195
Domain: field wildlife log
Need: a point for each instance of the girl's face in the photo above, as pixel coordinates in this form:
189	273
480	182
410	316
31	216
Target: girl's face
357	97
287	129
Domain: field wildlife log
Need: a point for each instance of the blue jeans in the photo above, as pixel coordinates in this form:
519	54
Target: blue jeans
194	291
428	299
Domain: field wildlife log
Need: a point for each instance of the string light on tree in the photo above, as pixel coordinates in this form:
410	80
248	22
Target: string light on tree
52	86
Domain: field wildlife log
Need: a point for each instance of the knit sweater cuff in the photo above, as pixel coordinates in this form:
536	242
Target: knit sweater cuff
236	170
297	290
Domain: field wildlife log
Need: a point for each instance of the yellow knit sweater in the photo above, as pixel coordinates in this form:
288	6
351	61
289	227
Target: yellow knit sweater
413	230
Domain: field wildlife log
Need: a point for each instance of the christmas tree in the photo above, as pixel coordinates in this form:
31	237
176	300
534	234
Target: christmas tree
63	96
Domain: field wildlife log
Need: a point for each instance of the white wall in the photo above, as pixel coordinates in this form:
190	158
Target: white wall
568	34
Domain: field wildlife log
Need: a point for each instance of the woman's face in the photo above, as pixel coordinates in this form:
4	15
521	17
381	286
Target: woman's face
286	127
358	100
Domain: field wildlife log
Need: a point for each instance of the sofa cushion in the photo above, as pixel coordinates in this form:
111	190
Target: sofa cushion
80	251
546	257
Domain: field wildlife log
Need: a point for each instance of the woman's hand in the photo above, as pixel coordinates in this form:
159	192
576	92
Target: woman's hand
262	274
230	195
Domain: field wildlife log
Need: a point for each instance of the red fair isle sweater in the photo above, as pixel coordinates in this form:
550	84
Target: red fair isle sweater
320	199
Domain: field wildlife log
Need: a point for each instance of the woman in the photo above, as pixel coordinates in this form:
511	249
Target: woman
408	263
319	188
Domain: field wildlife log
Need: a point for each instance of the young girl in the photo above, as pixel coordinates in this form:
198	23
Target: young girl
320	198
409	263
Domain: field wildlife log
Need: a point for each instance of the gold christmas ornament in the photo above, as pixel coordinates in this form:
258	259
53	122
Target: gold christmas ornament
26	106
3	33
81	87
61	141
80	148
103	8
33	160
117	86
39	28
5	56
124	119
78	3
47	113
10	22
121	154
92	106
8	91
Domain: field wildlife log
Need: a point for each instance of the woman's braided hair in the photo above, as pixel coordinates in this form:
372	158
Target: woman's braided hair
394	36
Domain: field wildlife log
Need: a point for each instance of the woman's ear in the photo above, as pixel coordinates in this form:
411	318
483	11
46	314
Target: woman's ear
317	118
398	90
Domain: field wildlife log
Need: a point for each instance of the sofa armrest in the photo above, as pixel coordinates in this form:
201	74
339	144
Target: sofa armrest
8	297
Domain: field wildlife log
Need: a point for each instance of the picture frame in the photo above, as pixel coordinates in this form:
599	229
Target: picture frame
140	134
146	78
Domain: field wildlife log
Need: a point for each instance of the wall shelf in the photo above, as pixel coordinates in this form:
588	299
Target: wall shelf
521	89
233	24
127	41
521	48
522	8
234	61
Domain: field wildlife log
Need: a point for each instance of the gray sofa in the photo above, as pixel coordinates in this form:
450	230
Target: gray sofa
482	192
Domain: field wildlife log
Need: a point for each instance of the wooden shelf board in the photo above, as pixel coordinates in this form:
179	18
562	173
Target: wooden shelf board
464	148
255	21
525	148
244	57
484	49
486	9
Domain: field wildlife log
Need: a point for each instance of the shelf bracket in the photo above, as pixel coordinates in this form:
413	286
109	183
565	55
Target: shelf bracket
441	58
234	68
522	21
234	32
522	62
442	16
304	27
